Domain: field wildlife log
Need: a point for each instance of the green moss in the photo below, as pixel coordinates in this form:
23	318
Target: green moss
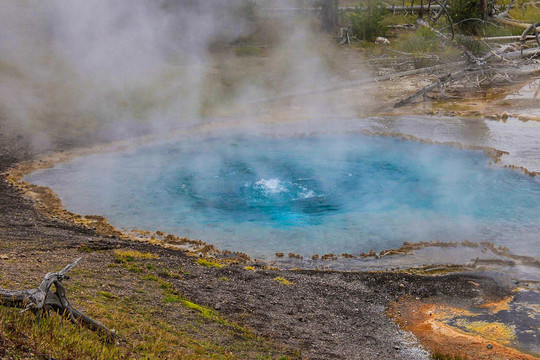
208	263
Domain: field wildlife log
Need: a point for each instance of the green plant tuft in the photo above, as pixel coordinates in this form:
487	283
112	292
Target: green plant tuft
209	263
366	20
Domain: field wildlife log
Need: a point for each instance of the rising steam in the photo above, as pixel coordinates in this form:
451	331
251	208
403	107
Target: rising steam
80	71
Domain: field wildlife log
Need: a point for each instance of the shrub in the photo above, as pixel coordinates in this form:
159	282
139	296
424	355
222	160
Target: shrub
422	41
462	10
476	47
366	20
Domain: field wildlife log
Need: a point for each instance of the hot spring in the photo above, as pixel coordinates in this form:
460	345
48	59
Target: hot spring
340	193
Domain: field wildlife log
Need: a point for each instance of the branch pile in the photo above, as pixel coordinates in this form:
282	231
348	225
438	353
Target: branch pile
499	64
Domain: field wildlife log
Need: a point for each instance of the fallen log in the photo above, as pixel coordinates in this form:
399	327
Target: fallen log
43	300
511	22
437	83
351	84
520	54
508	38
394	8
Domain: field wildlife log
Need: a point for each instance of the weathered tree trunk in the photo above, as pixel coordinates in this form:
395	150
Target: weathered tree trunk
484	9
329	15
43	299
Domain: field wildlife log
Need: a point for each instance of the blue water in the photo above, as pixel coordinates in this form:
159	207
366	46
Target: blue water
318	194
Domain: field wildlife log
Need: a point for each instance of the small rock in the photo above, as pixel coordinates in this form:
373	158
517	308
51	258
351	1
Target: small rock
382	41
4	257
489	346
217	306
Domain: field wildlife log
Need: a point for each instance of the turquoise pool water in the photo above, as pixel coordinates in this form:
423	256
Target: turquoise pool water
311	194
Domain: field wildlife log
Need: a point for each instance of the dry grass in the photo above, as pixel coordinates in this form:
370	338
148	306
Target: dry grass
528	14
144	308
283	281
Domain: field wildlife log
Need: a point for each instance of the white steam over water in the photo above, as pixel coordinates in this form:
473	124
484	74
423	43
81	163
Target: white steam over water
81	71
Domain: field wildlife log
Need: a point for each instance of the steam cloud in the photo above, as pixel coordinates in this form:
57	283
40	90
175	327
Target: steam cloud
77	70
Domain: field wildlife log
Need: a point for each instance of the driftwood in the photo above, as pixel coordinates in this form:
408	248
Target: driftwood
510	22
508	38
42	300
395	8
440	82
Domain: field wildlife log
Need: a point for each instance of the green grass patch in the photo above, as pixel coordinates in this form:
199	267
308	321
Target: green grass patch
169	274
422	41
150	277
133	268
107	295
209	263
86	249
527	14
172	299
51	337
131	255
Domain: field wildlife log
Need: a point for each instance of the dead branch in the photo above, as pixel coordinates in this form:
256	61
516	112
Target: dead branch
521	54
507	11
511	22
532	28
350	84
42	300
508	38
441	81
394	8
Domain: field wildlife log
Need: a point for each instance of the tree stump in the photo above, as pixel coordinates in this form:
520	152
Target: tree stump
42	300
